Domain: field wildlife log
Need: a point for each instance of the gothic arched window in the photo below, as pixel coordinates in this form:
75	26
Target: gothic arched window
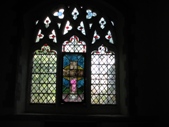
74	55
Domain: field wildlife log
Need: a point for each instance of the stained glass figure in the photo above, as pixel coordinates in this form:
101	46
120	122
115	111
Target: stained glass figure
43	84
73	78
103	76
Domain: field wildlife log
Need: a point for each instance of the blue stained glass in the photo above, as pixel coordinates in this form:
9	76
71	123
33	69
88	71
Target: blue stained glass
80	83
60	13
66	82
81	61
73	57
66	61
90	14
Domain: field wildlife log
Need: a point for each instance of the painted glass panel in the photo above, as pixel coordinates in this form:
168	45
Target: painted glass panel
73	78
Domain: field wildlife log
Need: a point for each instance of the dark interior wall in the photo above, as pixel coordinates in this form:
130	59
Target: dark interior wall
162	34
9	47
149	38
146	54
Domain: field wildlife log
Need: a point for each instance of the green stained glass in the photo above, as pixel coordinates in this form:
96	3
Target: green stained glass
43	88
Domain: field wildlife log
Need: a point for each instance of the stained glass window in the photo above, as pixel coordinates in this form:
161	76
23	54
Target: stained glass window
76	61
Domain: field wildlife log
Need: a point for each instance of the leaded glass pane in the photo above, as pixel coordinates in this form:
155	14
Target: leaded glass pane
103	77
74	45
43	88
73	78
